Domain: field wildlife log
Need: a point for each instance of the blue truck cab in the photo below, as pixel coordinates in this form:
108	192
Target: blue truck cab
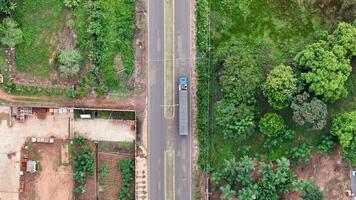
183	83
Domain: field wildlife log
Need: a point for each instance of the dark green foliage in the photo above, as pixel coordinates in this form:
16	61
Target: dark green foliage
328	143
311	192
234	119
270	184
301	153
127	171
344	127
310	112
272	125
280	87
203	74
7	6
272	142
240	83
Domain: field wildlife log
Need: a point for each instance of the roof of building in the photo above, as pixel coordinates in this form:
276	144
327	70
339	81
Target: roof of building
31	166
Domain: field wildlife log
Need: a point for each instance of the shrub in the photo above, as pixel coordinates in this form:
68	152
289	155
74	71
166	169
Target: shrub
7	6
69	60
233	119
344	127
280	86
104	171
301	153
327	144
12	34
311	192
71	3
309	112
272	125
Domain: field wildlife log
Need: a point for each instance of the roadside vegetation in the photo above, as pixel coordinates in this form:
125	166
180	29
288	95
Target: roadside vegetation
127	172
275	80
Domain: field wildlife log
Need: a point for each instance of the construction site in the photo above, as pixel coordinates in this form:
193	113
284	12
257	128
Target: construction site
36	153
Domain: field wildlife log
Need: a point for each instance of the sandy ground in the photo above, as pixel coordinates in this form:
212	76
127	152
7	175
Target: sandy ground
103	130
12	138
329	173
54	180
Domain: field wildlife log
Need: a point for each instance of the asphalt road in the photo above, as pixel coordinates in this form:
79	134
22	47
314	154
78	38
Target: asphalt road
182	67
163	133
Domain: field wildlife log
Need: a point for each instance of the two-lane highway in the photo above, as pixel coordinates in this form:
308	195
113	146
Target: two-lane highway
162	132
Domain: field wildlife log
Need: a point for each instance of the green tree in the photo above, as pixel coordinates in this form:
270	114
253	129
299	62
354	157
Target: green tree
344	127
248	193
309	112
69	60
272	125
241	77
280	87
12	35
234	119
71	3
345	36
325	70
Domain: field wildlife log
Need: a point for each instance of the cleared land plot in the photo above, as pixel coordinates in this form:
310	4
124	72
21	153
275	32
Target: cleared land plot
13	137
103	130
41	23
54	179
329	173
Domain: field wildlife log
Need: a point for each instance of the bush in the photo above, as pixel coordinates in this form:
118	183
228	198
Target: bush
312	192
234	120
301	153
328	143
309	112
272	125
69	60
280	87
12	34
104	171
71	3
344	127
7	6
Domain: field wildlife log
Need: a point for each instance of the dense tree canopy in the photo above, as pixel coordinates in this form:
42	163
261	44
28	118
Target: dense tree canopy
325	65
344	127
272	125
309	112
12	35
280	86
345	36
240	80
236	119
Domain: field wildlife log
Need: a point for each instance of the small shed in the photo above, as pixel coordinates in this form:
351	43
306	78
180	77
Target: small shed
31	166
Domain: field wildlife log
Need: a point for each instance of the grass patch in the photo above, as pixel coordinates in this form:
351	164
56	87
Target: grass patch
103	114
41	23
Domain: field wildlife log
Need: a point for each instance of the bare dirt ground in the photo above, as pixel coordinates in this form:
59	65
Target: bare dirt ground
329	173
54	179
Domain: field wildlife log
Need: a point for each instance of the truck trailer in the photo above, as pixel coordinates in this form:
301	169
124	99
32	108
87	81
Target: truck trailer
183	105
